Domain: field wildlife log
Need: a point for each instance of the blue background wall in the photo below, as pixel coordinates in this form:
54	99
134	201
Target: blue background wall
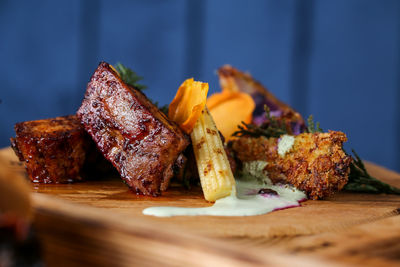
338	60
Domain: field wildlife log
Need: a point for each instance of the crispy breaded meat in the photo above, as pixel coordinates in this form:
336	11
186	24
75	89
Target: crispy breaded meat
316	163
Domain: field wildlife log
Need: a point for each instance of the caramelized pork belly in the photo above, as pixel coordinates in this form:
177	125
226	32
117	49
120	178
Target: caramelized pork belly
53	150
131	132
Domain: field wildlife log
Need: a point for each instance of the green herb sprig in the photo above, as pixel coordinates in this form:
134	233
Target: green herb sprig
361	181
313	127
163	109
271	128
359	178
130	77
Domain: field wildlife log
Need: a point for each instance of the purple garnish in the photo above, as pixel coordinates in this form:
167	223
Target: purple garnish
297	127
267	191
277	110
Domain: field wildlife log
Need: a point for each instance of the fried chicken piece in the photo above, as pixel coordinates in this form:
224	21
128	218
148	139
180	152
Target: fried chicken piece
316	163
136	137
54	150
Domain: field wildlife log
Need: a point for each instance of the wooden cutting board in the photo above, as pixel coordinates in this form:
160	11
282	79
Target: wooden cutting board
335	215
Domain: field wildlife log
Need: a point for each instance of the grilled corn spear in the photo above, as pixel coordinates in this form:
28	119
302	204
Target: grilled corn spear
188	109
215	173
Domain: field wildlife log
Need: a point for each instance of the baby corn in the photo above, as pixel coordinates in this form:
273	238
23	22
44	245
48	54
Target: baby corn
215	173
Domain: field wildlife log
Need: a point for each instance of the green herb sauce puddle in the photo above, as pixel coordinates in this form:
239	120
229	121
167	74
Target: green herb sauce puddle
246	202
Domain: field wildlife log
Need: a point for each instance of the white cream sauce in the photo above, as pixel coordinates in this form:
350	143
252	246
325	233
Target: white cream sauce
286	143
247	202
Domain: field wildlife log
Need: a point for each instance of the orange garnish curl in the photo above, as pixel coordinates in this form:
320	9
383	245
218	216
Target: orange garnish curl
188	103
229	109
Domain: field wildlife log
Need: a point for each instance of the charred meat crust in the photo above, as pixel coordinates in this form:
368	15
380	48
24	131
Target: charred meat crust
53	149
131	132
315	164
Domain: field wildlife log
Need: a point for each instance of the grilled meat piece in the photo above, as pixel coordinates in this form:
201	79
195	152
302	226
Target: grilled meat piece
131	132
53	150
316	163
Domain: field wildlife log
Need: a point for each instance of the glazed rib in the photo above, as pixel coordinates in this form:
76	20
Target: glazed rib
131	132
54	150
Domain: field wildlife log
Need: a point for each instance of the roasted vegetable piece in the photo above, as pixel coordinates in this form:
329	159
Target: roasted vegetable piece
189	111
229	109
234	80
188	103
215	173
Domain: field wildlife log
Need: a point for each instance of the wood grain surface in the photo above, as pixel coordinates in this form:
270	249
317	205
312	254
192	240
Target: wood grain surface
347	228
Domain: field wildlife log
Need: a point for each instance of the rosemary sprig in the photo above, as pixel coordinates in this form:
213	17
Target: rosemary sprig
130	77
163	109
361	181
313	127
359	178
271	128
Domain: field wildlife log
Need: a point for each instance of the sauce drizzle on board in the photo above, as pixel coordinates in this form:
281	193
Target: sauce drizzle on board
247	202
